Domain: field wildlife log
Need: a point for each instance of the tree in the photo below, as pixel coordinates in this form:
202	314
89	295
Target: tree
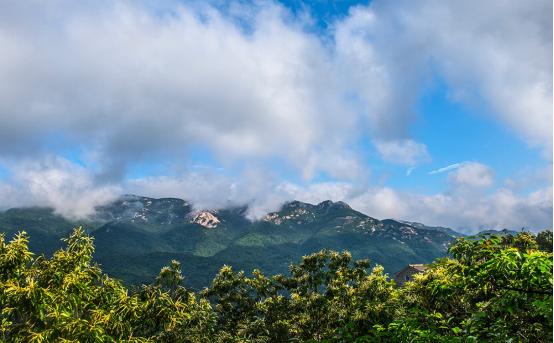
544	240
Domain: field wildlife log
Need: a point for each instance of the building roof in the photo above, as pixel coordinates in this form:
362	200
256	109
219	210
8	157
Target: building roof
420	267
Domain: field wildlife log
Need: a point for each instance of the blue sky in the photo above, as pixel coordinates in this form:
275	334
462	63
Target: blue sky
436	111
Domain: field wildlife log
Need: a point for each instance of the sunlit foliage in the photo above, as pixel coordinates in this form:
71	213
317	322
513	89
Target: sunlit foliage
497	289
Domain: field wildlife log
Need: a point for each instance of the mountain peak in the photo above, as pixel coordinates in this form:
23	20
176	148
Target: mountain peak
325	204
330	204
295	204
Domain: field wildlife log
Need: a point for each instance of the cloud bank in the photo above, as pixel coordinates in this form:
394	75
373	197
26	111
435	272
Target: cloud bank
471	203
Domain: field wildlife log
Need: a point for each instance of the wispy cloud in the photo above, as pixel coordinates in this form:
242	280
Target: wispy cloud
447	168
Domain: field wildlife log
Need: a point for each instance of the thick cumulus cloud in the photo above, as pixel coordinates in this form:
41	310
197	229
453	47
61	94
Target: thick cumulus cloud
131	84
130	81
124	82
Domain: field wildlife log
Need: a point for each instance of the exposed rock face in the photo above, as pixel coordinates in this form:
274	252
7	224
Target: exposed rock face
273	217
206	219
298	214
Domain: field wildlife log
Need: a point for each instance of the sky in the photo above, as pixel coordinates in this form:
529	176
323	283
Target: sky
432	111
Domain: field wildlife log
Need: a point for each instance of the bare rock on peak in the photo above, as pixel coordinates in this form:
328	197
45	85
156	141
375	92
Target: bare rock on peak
206	219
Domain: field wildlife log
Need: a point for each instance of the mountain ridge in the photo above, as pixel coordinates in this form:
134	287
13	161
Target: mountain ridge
135	236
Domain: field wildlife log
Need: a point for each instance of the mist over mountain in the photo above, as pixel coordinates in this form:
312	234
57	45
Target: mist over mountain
135	236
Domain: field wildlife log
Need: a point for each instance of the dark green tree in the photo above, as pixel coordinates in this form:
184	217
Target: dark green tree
544	240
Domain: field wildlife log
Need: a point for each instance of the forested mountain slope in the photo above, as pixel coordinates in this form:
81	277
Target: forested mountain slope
135	236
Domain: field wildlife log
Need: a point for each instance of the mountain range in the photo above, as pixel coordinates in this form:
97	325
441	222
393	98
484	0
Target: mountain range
135	236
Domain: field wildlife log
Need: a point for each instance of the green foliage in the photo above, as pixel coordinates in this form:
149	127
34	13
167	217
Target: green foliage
325	292
544	240
498	289
67	298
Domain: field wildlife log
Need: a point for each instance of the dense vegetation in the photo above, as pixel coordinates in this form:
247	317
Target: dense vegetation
496	289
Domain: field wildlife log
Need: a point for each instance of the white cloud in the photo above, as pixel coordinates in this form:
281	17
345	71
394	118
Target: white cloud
210	189
472	174
528	178
500	209
133	84
466	207
406	151
73	191
53	182
494	54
